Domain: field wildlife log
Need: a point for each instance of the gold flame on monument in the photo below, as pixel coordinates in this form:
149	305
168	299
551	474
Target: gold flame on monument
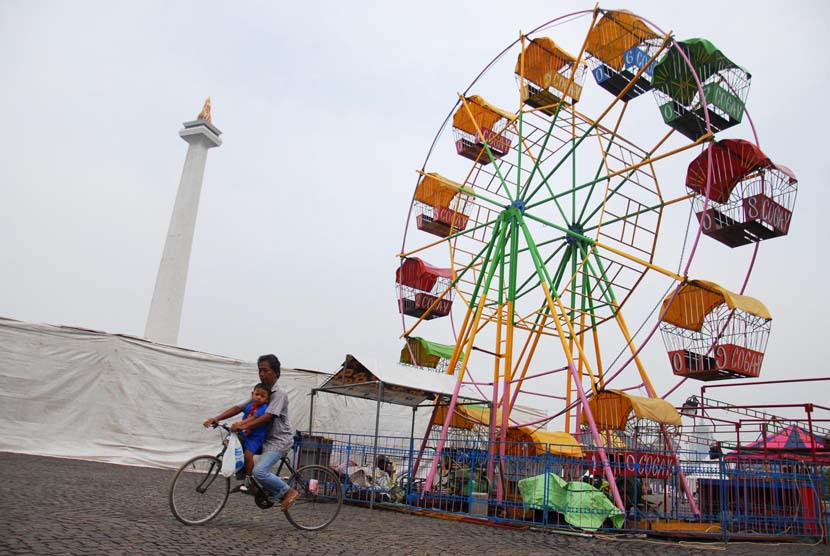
205	113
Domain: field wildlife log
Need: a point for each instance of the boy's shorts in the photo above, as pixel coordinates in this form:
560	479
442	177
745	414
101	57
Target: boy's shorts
252	444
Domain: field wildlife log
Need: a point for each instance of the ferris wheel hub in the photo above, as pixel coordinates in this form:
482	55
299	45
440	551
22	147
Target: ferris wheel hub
518	204
577	236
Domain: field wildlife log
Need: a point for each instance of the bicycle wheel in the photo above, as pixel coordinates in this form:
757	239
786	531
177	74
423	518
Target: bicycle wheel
198	492
320	499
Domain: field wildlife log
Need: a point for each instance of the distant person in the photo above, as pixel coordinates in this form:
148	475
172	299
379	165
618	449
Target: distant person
280	436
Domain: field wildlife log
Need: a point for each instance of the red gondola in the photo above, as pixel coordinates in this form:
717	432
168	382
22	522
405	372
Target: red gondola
424	290
750	197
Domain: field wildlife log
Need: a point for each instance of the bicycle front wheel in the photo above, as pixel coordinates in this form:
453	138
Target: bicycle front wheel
320	497
198	492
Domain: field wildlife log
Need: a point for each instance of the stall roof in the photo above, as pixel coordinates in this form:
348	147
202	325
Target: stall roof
401	386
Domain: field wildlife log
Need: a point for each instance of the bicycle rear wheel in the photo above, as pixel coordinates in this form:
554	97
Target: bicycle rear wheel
198	492
320	499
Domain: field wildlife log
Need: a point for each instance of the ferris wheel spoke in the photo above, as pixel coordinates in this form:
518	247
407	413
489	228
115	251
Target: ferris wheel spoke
537	160
587	287
564	158
639	261
532	281
616	312
631	215
593	127
492	250
604	163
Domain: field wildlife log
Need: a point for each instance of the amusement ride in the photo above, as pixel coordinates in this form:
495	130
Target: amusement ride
551	237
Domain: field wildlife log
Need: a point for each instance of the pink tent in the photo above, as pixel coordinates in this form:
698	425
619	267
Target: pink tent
791	442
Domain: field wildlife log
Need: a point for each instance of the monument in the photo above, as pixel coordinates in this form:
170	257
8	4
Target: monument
168	296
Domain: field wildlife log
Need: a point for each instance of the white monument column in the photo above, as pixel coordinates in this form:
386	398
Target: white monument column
166	307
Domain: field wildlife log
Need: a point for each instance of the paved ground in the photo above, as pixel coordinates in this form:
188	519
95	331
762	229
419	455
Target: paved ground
58	506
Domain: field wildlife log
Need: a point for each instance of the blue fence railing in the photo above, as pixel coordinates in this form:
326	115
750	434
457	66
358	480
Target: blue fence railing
535	484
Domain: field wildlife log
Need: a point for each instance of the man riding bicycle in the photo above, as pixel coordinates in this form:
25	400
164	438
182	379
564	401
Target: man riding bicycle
280	436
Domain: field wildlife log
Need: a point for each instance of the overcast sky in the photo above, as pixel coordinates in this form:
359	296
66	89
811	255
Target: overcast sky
327	110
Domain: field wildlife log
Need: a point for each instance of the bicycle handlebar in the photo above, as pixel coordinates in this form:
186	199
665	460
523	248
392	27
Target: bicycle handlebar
217	425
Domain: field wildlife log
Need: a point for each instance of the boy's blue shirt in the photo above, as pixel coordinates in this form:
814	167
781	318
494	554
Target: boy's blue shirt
257	434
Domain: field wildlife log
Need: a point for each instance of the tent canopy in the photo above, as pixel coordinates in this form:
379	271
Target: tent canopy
554	442
541	58
701	298
402	386
484	115
673	76
437	191
791	442
614	34
611	410
427	354
732	160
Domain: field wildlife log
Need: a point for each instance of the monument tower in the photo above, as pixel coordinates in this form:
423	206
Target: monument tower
166	307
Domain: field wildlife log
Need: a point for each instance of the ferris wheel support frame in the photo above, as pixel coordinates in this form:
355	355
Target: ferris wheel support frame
505	332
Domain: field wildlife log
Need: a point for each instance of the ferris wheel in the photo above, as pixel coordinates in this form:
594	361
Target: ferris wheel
551	206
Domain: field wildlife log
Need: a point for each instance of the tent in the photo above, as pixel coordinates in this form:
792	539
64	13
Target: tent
85	394
397	386
552	442
790	442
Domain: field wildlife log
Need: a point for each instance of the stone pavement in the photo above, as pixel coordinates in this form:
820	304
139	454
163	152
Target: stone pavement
58	506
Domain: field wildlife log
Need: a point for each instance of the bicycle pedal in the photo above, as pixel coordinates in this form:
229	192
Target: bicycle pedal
263	501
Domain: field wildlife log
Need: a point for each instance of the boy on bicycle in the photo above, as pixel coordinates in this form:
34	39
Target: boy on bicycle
252	439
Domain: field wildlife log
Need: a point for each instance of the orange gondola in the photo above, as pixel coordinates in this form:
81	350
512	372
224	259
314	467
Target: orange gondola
549	75
714	334
477	123
441	205
620	45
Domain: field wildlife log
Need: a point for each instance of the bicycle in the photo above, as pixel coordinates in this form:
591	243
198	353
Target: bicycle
198	492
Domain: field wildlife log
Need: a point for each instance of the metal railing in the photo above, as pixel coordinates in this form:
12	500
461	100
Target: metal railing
737	497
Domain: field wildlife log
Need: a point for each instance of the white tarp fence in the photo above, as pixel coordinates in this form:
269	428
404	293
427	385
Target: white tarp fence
82	394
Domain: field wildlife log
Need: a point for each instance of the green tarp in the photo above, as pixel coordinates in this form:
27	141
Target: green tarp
441	350
580	503
418	351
